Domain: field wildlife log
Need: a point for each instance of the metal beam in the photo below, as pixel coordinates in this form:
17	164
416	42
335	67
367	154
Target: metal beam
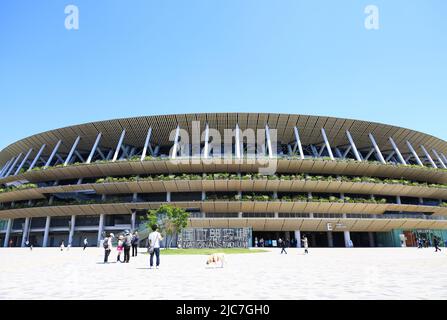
376	147
444	157
298	142
118	147
53	154
23	162
6	166
95	146
439	159
428	157
73	148
396	149
146	144
347	152
33	164
175	148
328	146
415	155
354	147
13	165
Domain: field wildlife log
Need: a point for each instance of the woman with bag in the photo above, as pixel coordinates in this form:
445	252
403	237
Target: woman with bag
154	246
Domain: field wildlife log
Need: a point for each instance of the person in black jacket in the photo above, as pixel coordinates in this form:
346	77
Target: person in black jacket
283	245
135	244
436	243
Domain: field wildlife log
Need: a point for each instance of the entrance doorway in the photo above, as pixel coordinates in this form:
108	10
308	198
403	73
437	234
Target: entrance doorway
270	238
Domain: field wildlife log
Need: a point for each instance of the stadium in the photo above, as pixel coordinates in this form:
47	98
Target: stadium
337	181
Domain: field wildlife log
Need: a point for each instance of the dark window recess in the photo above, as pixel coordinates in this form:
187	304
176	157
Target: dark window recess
118	219
222	215
58	222
293	215
258	215
186	196
409	200
18	224
431	202
151	197
87	221
77	196
38	223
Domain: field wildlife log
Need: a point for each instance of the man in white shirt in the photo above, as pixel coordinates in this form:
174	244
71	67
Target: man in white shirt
154	245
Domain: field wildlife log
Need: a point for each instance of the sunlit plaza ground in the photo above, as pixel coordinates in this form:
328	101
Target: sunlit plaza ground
380	273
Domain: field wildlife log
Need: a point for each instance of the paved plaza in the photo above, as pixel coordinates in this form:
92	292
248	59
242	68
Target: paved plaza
380	273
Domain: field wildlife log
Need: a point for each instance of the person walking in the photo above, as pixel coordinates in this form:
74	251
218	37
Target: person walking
283	244
306	245
154	246
135	244
107	244
62	245
127	246
85	243
436	243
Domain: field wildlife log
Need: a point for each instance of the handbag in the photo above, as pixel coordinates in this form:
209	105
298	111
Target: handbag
152	247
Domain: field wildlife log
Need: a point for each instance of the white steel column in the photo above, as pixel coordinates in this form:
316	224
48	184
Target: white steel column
444	157
100	228
5	168
396	149
347	238
298	238
37	157
429	157
354	147
46	232
8	233
146	144
269	141
13	165
118	147
439	159
175	148
25	232
298	143
237	146
95	146
23	162
206	150
376	147
53	154
330	239
415	155
133	220
73	148
328	146
72	229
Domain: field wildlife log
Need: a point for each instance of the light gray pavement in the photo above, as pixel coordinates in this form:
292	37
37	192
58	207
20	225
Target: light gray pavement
377	273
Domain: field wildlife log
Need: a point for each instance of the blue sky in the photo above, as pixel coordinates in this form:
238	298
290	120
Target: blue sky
144	57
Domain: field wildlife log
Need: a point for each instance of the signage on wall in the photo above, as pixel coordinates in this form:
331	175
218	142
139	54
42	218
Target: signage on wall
215	238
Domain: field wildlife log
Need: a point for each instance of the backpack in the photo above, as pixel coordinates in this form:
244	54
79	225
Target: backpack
106	243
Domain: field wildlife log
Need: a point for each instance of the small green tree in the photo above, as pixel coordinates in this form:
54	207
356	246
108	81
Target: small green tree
170	220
